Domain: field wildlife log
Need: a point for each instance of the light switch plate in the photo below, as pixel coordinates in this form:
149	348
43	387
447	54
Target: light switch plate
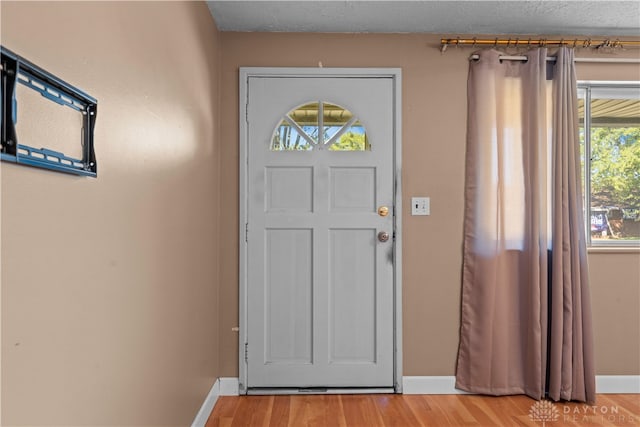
420	206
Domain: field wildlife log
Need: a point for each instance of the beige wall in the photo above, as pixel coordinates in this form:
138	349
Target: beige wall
615	292
109	285
433	128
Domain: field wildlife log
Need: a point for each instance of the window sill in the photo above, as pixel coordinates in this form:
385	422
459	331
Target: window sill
613	250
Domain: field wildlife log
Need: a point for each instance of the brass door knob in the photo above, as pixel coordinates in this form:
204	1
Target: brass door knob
383	211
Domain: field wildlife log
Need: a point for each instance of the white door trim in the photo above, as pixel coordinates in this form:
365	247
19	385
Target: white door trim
395	74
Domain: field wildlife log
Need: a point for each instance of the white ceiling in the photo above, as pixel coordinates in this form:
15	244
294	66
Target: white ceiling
549	17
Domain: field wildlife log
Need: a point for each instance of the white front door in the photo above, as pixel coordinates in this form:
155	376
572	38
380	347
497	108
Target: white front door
319	209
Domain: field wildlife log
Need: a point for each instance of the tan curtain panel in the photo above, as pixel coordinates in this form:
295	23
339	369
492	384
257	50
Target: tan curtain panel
526	317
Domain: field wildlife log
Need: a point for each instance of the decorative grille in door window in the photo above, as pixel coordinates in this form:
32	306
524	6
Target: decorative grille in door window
319	126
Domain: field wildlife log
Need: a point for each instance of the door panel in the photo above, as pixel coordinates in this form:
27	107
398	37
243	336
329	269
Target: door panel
353	189
352	278
289	189
288	296
320	298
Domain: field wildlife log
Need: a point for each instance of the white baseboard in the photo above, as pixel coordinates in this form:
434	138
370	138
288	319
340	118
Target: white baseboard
222	387
228	386
430	385
605	384
612	384
205	410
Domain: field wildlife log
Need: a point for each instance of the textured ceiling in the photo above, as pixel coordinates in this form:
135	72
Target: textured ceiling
588	18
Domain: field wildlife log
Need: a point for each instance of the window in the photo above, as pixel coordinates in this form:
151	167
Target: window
609	115
299	130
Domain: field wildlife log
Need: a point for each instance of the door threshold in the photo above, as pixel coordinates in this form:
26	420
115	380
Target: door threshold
262	391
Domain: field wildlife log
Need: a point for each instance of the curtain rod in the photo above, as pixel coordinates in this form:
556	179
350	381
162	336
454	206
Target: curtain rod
553	58
540	42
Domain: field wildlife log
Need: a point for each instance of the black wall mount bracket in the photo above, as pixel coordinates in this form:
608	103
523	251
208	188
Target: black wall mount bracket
16	69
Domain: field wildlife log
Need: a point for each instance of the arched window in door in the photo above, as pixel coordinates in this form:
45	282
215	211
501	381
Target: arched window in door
318	126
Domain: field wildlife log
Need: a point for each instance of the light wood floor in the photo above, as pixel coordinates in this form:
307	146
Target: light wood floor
419	410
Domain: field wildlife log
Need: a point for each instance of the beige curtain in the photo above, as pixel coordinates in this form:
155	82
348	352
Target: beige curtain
526	317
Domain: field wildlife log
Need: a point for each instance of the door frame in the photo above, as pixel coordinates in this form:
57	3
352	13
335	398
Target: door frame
395	74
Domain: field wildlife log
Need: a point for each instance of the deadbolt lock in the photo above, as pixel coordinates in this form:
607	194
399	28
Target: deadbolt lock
383	211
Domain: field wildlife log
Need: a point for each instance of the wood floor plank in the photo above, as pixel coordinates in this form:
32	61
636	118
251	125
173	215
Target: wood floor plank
225	409
377	410
477	410
394	410
261	412
419	406
280	411
359	410
329	414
